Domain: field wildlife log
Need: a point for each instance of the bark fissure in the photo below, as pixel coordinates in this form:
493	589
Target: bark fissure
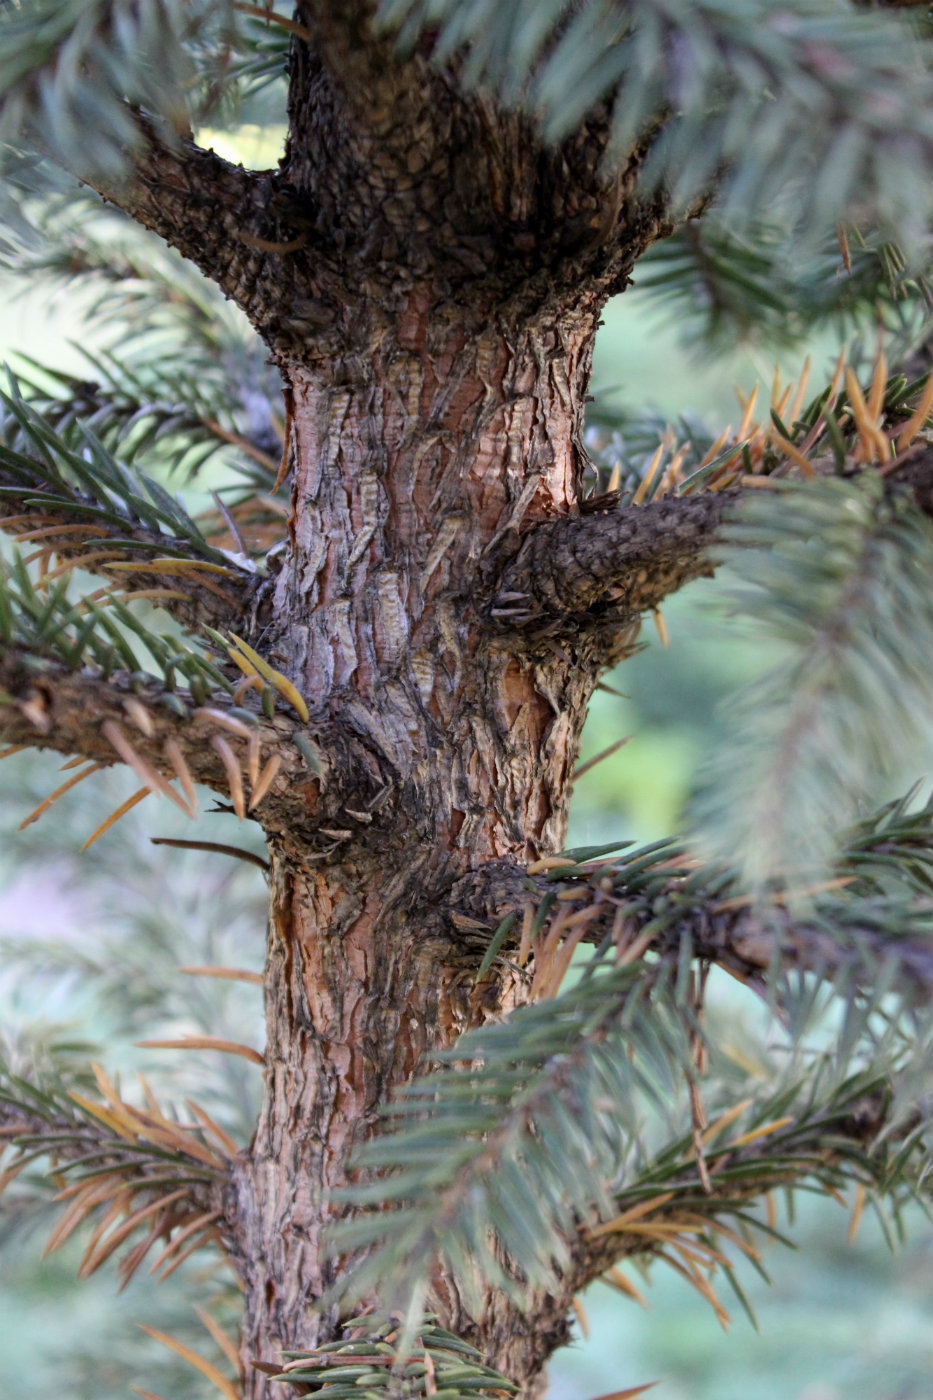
412	470
428	275
436	347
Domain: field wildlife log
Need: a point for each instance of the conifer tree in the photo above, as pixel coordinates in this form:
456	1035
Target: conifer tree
380	644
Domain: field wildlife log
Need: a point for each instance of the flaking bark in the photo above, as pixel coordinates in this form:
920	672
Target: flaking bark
428	276
409	471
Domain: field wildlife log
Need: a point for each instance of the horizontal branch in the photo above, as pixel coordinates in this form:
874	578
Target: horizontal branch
830	1147
554	1094
277	770
195	586
675	1210
747	941
70	1136
598	572
134	1171
698	1192
595	573
73	502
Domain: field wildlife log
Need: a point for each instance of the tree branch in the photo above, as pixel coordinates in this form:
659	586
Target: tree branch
830	1147
815	1147
44	705
730	932
237	226
69	1137
561	1074
195	586
595	573
68	496
747	942
136	1171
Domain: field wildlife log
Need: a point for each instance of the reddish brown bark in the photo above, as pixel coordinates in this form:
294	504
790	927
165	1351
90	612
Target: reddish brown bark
405	476
435	336
429	276
408	479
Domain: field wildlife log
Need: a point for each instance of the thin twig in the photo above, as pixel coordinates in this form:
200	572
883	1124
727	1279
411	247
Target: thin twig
217	847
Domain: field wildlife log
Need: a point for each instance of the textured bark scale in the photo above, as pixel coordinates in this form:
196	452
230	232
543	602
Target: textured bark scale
428	276
410	470
434	326
415	472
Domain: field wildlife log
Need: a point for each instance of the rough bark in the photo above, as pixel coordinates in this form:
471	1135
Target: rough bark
436	358
428	275
429	278
409	472
589	576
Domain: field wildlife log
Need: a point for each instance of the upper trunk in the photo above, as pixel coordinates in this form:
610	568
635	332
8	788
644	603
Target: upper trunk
415	468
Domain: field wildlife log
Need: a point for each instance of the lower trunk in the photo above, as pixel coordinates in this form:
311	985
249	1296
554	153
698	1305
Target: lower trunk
413	475
356	998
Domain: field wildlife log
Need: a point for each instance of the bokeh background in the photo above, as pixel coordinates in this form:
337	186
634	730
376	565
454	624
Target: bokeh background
90	947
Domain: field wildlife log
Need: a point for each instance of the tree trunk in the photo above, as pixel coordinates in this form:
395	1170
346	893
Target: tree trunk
428	274
414	469
430	284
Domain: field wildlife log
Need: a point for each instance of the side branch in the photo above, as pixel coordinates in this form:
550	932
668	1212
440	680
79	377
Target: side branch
747	943
196	586
234	224
829	1148
553	1094
730	932
69	1135
676	1217
137	1172
98	515
275	769
598	572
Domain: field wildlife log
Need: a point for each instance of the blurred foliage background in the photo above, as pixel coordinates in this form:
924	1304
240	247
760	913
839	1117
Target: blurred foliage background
90	946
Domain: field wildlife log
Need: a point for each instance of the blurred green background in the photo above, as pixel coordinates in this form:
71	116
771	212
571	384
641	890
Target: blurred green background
95	940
